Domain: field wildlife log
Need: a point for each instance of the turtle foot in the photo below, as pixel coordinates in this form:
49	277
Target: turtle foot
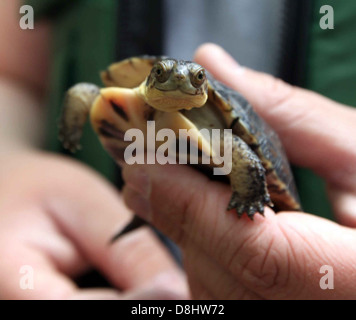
248	206
70	137
76	107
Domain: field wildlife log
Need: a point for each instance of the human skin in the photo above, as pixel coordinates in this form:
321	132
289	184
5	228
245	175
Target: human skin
56	215
278	256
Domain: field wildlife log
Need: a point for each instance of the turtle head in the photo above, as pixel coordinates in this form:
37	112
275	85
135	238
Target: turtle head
174	85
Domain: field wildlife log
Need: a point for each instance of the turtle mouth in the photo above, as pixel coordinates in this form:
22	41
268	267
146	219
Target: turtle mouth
173	97
180	89
174	100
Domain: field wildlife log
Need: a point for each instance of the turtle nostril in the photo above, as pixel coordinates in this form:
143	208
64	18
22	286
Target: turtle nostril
179	76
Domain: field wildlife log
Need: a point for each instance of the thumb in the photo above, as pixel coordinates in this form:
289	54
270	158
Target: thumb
176	199
272	257
314	130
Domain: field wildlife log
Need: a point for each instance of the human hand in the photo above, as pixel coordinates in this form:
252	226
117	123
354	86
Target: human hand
276	256
57	217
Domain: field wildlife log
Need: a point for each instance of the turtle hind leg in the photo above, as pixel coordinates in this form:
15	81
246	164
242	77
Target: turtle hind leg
247	179
76	107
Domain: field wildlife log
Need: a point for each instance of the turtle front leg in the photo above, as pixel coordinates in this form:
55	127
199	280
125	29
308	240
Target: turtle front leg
248	180
77	104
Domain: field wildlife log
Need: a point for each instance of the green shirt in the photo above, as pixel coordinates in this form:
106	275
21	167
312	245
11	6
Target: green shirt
84	33
331	71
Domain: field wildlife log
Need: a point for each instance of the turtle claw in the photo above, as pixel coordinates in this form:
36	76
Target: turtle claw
250	207
70	138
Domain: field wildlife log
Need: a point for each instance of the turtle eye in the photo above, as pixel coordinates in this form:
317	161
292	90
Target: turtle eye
161	72
198	78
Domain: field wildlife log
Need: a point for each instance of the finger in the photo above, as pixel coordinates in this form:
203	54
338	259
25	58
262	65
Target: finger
269	256
155	290
209	279
344	205
37	260
88	212
163	287
305	121
30	274
97	212
184	211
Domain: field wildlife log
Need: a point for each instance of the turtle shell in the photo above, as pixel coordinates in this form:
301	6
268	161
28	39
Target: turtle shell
262	139
237	115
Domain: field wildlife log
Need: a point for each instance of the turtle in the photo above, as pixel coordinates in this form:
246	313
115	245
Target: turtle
178	94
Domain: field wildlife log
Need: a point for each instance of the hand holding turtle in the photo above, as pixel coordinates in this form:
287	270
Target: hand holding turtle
278	256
